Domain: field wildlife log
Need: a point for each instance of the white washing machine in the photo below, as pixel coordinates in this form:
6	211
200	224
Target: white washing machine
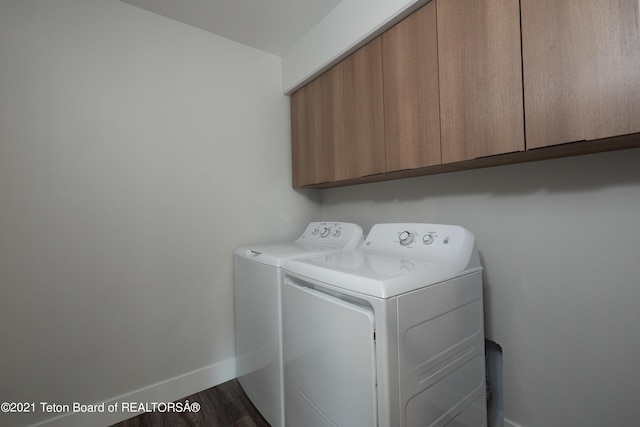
390	334
258	311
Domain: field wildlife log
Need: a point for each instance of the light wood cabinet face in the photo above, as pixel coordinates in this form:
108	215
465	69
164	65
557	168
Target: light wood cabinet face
459	83
581	69
481	107
303	146
410	82
329	125
363	111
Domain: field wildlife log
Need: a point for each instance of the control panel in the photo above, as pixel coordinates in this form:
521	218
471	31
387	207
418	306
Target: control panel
419	240
407	237
343	234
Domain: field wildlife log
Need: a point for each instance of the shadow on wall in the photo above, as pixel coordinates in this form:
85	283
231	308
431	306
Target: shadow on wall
571	174
495	392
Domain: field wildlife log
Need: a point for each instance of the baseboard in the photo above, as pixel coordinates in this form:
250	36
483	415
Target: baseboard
165	391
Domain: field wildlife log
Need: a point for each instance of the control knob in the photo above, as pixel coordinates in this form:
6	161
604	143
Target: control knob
406	238
427	239
325	232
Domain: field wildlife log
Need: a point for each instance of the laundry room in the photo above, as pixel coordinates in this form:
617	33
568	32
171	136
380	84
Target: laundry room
138	152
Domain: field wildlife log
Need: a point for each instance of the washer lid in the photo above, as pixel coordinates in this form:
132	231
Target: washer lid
372	274
318	238
275	254
395	259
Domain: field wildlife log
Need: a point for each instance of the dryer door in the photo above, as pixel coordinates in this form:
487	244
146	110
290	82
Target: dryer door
329	360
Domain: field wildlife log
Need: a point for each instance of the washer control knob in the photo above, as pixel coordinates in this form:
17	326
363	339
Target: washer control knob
406	238
337	233
427	239
325	232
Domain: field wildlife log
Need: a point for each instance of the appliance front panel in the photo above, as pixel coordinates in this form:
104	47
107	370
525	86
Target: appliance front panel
329	360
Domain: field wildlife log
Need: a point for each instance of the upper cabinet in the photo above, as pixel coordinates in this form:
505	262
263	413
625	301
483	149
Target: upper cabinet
410	83
581	69
329	125
481	109
317	130
461	84
303	145
363	112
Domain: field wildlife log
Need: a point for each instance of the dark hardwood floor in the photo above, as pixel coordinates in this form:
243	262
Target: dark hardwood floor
223	405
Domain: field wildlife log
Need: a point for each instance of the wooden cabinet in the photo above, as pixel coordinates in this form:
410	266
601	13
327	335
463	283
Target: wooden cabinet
410	83
481	108
303	146
337	122
456	84
329	125
581	61
364	143
317	130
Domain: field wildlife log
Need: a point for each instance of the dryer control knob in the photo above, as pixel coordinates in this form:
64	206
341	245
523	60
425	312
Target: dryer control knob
427	239
325	232
406	238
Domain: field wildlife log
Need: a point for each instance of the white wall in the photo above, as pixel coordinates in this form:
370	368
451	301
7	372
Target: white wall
560	243
135	153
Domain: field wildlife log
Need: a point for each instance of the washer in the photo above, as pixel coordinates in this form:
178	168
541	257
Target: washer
390	334
258	321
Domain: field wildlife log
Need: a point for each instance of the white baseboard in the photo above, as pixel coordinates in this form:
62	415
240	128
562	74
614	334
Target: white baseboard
165	391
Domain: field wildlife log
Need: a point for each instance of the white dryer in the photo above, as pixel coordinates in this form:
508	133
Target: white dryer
258	313
390	334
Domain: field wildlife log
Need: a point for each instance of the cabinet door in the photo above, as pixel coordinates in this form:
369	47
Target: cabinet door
303	146
481	107
329	125
363	111
581	69
410	77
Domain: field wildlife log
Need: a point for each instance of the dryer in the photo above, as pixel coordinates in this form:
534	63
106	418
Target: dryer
258	322
390	334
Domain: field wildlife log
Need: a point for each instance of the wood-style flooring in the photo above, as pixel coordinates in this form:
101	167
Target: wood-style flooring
220	406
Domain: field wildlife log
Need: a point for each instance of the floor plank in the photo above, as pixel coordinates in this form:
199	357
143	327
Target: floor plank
225	405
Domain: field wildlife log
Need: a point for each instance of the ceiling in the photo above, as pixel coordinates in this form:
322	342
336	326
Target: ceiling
270	25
